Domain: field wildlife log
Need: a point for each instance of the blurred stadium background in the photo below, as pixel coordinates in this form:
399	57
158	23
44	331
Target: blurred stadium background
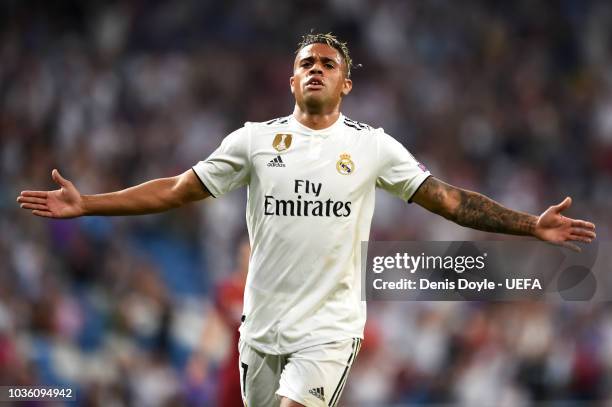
513	99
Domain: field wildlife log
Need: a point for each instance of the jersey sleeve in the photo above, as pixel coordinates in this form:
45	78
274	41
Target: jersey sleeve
229	166
400	173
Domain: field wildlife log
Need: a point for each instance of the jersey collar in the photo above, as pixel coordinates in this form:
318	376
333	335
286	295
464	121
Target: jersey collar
321	132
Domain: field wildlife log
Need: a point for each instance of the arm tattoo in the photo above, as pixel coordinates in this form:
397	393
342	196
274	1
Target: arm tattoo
479	212
472	209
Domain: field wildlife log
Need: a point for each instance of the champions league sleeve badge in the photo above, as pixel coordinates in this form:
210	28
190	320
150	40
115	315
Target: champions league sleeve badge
345	165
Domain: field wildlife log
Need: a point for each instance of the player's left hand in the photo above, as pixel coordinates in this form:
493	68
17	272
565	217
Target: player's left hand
553	227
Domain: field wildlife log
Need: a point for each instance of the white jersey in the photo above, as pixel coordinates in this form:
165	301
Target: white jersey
310	205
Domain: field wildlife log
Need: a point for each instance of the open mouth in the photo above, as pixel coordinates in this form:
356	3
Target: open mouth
314	83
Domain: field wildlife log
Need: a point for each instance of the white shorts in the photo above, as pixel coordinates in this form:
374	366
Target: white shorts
314	377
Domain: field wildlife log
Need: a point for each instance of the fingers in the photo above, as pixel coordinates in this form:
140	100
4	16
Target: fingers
579	238
31	200
577	223
582	232
35	206
35	201
567	202
58	178
36	194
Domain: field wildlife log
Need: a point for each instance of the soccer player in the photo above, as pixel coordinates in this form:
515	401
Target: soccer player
311	179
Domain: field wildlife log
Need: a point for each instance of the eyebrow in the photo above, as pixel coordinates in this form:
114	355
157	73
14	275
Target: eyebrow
323	59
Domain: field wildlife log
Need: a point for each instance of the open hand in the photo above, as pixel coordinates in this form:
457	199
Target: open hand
553	227
65	202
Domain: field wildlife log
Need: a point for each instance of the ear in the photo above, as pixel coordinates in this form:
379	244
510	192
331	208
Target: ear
347	86
291	84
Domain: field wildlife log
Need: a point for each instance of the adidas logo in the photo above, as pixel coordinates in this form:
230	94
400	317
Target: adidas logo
318	393
276	162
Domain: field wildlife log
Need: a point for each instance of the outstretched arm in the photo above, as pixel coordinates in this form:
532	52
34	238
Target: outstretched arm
154	196
476	211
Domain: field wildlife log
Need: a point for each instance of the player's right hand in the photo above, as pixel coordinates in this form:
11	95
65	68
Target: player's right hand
65	202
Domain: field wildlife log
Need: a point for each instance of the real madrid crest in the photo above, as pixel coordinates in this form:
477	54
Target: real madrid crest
282	142
345	165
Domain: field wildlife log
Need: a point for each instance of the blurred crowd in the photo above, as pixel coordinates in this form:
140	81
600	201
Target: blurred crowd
512	99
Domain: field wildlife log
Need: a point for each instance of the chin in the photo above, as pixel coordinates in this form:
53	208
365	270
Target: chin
314	100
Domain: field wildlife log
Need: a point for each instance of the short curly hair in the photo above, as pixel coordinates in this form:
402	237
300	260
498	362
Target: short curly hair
331	40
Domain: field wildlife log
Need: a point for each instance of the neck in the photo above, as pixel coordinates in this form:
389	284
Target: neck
316	120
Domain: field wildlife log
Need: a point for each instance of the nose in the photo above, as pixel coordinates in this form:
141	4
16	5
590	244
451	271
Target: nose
316	69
